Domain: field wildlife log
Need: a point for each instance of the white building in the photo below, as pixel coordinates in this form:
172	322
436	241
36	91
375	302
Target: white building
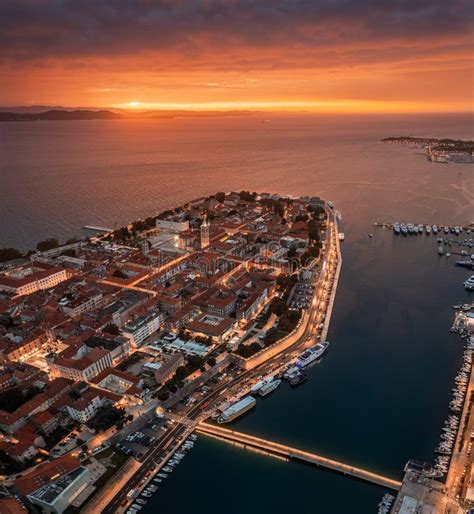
172	226
143	327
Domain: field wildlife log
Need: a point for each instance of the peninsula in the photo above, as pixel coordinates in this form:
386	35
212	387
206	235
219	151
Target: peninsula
439	150
117	347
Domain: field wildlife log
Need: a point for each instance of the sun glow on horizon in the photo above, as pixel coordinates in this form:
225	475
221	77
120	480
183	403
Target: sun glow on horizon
336	106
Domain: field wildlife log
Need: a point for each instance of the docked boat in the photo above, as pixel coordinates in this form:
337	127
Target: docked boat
311	354
428	229
341	236
237	409
291	371
435	229
411	228
446	230
469	284
298	378
421	468
269	387
465	264
256	388
404	228
396	228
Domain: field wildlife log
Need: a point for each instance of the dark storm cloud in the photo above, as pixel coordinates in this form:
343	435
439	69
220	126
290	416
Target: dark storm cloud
35	29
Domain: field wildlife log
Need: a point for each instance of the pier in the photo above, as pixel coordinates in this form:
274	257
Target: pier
465	226
97	229
296	454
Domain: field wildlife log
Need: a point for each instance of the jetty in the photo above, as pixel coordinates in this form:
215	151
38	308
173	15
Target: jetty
97	228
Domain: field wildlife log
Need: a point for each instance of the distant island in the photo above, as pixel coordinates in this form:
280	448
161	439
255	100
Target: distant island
439	150
59	115
33	114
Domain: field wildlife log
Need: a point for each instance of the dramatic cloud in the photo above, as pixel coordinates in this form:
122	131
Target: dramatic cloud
305	49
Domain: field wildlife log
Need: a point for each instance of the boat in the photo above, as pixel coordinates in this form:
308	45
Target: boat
416	229
237	409
421	468
371	235
428	229
269	387
465	264
330	204
256	388
311	354
298	378
291	371
404	229
446	230
411	228
396	228
341	236
469	284
440	250
435	229
421	228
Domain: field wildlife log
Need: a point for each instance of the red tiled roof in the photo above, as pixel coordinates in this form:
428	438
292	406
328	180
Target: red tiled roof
46	472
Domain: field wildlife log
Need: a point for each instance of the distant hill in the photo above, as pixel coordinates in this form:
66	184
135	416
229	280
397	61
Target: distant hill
59	115
35	113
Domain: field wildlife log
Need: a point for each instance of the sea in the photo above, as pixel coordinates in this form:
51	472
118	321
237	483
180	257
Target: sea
381	393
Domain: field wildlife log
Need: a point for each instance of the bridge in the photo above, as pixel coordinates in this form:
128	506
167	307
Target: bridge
296	454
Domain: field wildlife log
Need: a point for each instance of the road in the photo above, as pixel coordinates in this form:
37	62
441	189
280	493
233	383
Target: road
174	437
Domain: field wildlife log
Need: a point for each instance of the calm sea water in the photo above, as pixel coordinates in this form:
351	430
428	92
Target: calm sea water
380	395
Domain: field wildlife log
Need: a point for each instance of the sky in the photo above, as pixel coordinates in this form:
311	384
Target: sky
272	55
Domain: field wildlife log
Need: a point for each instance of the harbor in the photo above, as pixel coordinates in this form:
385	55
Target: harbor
391	459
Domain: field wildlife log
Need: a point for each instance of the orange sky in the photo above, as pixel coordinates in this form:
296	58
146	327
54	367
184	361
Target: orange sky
283	55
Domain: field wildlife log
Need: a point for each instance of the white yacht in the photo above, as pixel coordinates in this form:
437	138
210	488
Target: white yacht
269	387
311	354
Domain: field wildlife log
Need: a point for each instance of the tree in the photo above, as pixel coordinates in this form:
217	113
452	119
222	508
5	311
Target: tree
313	231
8	254
301	217
47	244
121	234
247	196
111	329
163	395
106	417
220	196
278	306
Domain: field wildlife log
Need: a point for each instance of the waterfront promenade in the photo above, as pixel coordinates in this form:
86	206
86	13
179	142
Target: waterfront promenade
297	454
